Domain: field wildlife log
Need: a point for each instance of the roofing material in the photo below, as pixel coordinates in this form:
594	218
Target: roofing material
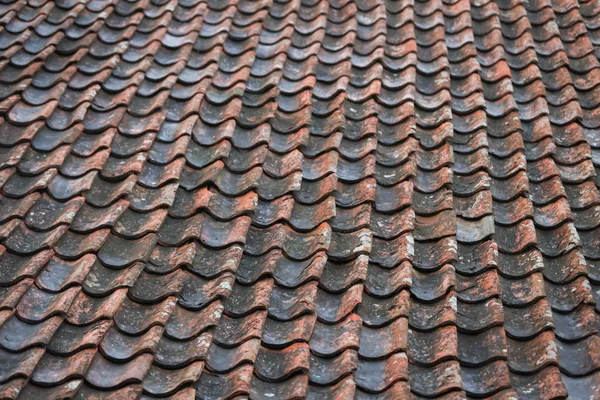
299	199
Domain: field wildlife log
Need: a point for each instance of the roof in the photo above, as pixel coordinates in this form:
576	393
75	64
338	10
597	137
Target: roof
299	198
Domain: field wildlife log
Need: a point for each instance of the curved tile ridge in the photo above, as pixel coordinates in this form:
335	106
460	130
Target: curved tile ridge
531	346
297	333
60	291
336	365
577	274
577	179
482	341
335	338
246	316
432	338
276	273
201	242
382	368
563	241
589	12
127	351
146	314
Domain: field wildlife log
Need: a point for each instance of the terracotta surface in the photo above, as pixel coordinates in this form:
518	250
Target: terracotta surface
316	199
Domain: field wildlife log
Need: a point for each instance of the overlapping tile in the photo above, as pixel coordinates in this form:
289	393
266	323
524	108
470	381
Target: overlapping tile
299	199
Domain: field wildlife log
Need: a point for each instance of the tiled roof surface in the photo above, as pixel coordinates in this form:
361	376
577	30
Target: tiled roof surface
370	199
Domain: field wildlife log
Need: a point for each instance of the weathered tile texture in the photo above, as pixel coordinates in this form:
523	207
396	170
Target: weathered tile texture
277	199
